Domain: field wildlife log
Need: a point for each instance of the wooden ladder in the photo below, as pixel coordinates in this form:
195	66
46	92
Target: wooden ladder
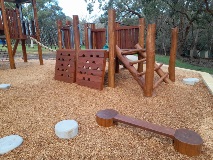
121	54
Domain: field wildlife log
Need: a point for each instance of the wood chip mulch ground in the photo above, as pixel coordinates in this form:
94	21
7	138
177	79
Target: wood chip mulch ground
36	102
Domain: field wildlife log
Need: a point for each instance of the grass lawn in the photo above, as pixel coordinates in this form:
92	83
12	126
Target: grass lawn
165	60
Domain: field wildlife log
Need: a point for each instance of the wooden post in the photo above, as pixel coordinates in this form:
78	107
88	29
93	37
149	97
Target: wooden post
24	50
150	60
77	41
141	41
86	26
112	44
37	31
116	58
173	51
7	35
59	24
93	36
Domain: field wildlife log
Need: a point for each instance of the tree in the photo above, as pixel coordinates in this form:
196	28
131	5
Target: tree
193	17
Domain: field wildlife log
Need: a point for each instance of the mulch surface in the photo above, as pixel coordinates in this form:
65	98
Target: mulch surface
36	102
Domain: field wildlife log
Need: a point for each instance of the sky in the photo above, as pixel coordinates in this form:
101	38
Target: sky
78	7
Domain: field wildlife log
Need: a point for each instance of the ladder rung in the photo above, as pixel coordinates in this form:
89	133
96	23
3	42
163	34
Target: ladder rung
138	61
160	80
141	73
132	51
160	65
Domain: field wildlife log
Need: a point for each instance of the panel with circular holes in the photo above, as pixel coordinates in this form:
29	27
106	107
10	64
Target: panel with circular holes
91	68
65	65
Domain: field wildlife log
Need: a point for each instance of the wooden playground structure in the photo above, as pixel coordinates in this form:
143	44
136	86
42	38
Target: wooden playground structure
87	67
13	27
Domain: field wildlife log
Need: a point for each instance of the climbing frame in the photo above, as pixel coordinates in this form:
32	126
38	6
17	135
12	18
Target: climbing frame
91	68
65	65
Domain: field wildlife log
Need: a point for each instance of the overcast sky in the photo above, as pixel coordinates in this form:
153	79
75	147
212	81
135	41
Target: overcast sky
78	7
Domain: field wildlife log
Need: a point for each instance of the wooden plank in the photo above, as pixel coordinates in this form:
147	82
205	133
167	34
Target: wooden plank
89	84
99	53
91	78
90	72
166	131
91	66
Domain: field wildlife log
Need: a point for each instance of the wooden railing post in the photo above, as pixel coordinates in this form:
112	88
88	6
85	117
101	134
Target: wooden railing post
117	37
37	31
59	24
86	26
150	60
173	51
141	41
77	40
93	36
7	35
112	44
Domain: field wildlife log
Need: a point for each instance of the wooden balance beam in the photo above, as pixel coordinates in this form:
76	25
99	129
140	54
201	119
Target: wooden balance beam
185	141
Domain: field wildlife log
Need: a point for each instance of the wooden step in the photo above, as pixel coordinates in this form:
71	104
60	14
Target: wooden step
160	80
141	73
185	141
159	66
132	51
138	61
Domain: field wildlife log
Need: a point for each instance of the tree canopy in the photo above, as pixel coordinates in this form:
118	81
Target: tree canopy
193	17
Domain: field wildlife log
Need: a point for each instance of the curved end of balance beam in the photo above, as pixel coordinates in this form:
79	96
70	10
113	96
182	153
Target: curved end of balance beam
105	117
187	142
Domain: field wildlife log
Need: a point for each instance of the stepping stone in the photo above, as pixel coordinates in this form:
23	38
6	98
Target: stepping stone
190	81
5	86
9	143
66	129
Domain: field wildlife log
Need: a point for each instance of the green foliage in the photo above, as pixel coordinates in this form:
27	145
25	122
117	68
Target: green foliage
194	18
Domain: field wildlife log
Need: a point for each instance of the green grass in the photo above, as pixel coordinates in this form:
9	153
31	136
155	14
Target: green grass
165	60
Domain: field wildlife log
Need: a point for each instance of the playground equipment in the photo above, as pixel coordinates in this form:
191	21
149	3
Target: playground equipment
87	63
13	27
85	67
185	141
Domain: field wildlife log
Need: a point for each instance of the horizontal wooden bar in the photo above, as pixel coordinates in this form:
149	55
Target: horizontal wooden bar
138	61
166	131
132	51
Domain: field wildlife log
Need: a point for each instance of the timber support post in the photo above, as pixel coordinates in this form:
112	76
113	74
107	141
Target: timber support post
37	31
77	40
141	41
150	60
112	43
173	51
59	24
7	35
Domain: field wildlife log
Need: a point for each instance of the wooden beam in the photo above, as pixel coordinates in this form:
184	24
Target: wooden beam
173	51
37	31
7	35
112	43
141	41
